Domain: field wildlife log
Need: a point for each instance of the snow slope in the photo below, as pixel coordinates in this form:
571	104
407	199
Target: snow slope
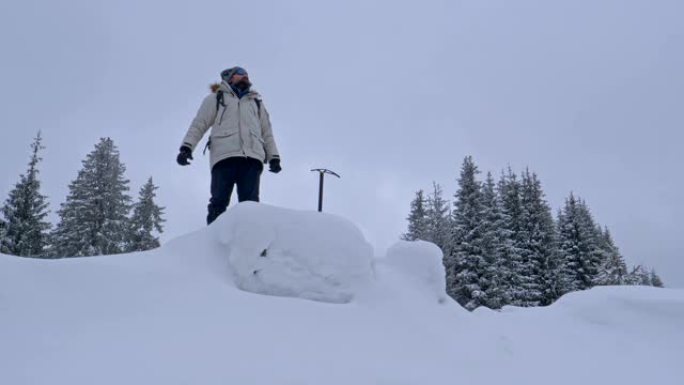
194	312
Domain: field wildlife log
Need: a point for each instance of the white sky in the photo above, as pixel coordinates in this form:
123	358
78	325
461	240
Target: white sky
392	95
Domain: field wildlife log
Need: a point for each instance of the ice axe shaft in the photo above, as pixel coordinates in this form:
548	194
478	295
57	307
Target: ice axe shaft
321	177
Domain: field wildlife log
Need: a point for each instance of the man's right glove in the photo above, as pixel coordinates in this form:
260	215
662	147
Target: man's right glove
184	155
274	165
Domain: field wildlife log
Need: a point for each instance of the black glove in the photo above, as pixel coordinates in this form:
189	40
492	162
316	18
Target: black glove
274	165
185	154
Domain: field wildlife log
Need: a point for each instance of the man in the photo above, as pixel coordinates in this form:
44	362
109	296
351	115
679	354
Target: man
240	142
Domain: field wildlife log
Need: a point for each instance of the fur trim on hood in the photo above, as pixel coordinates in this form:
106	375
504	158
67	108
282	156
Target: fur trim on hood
214	87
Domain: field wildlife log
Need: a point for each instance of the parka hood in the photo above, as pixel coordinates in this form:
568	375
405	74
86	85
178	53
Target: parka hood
225	87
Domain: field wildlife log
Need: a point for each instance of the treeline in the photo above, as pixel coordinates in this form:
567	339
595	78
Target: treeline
97	218
502	245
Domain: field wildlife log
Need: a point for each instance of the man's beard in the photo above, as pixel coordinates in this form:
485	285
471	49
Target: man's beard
243	85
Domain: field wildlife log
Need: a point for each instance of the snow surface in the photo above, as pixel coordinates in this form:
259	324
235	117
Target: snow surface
192	312
284	252
419	266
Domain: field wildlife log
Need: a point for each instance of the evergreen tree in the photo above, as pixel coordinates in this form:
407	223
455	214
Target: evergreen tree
639	276
538	245
579	247
146	219
417	219
437	219
655	279
494	238
511	251
613	271
596	255
465	265
3	226
93	220
25	229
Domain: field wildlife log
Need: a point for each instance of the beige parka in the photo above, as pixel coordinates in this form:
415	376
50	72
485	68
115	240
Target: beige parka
240	127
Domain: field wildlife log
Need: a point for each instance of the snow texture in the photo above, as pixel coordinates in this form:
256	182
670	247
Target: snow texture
176	315
284	252
420	266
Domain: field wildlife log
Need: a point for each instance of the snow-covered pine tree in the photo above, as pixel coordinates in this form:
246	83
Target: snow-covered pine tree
568	245
417	219
145	221
579	246
494	238
437	216
613	271
25	211
3	226
596	256
93	220
655	279
465	265
639	275
511	253
538	244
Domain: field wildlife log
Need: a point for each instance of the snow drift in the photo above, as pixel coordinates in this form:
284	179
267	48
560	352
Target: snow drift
419	265
284	252
192	312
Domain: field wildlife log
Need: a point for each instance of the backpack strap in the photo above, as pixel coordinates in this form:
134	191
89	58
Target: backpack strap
258	103
219	102
219	99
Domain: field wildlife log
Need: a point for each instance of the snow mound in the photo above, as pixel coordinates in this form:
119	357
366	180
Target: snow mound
421	265
609	305
291	253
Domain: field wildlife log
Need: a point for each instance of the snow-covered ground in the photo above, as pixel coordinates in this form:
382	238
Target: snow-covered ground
272	296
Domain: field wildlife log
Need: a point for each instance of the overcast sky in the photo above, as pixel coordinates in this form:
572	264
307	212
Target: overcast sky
391	95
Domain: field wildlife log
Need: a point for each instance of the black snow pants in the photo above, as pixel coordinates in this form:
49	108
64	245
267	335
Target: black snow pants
243	171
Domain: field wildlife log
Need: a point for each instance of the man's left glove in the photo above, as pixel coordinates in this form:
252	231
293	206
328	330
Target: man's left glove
274	165
184	155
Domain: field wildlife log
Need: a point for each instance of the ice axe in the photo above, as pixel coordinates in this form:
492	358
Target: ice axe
322	172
